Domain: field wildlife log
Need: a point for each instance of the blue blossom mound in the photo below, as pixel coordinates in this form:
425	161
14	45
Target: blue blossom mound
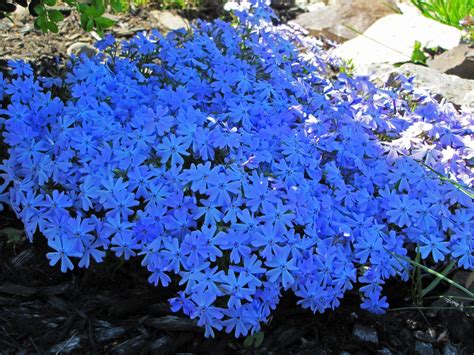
229	158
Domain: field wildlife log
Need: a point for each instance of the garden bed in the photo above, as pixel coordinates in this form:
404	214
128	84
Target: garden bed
111	308
289	244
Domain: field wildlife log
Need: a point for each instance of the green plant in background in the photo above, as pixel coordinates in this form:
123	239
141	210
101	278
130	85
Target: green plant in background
449	12
418	56
347	67
254	340
128	4
47	17
180	4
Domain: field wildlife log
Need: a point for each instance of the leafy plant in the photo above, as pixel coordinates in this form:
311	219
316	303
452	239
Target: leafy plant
47	17
418	56
254	340
449	12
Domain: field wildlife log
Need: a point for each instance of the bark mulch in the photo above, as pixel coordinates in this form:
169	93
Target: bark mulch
111	308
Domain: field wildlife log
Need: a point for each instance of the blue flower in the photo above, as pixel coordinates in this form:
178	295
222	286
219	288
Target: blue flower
281	267
236	166
436	246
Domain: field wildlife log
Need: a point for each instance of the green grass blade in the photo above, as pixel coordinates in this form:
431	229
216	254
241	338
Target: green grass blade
437	274
437	280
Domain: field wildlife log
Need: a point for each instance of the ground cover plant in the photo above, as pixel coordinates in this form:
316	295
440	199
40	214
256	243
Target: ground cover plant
230	160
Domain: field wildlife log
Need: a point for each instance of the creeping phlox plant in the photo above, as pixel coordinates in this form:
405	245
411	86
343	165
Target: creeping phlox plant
228	158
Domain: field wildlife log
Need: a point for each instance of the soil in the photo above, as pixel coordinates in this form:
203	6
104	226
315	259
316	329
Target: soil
19	39
111	308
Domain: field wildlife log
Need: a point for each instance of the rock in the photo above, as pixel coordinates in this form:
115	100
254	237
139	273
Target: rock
308	5
423	348
391	39
365	334
79	48
456	90
457	61
167	20
384	351
341	20
21	14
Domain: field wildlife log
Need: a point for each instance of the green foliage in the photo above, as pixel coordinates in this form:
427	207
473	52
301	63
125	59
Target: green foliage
254	340
418	56
14	236
419	292
347	67
91	14
449	12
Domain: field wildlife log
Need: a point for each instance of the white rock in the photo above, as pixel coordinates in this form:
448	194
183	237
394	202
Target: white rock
340	20
453	88
80	48
391	39
167	20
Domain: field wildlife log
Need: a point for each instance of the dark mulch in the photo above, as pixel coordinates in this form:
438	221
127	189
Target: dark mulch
110	308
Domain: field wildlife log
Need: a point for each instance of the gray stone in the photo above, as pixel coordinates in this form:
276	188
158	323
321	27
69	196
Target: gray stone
167	20
454	89
365	334
80	48
457	61
423	348
341	20
391	39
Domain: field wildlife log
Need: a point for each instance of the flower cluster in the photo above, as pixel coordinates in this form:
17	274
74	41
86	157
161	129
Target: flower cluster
231	159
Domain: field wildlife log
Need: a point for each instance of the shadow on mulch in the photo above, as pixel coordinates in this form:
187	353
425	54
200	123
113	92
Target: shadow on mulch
111	308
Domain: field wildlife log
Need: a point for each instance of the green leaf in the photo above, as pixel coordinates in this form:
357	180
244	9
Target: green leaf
40	10
14	236
98	4
90	25
52	27
55	15
84	19
91	11
116	5
437	280
82	8
104	22
249	341
437	274
259	339
49	2
41	23
417	56
99	30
